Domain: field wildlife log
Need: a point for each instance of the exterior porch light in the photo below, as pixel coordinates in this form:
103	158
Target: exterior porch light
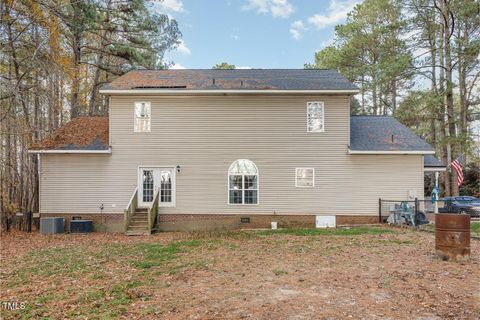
178	168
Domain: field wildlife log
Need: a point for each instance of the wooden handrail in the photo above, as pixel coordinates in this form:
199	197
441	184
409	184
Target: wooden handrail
153	211
130	209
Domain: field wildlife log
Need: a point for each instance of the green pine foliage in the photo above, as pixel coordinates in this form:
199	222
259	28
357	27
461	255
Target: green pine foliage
224	65
418	60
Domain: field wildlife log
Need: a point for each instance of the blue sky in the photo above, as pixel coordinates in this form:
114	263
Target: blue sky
253	33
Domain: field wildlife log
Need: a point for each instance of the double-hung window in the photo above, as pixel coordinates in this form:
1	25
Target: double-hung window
315	117
143	117
304	177
243	182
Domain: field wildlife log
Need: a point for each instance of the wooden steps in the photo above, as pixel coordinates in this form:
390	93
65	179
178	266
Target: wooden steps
138	225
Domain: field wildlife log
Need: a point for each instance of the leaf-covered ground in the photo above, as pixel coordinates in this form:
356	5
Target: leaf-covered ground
369	273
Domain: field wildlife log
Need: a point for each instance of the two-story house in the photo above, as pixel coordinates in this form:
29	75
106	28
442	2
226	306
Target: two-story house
203	149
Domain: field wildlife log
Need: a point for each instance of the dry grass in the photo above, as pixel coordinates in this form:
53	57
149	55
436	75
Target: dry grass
474	228
373	273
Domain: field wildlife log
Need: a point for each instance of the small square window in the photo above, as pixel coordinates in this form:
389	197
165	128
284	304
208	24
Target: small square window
142	117
304	177
315	117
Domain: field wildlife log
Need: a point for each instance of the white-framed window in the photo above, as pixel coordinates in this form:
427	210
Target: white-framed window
143	116
304	177
315	116
243	182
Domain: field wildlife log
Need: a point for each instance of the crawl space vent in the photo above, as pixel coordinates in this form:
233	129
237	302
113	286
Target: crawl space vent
325	222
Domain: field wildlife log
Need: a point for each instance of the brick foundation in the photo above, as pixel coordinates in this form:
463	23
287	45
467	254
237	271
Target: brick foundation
107	222
111	222
349	220
190	222
186	222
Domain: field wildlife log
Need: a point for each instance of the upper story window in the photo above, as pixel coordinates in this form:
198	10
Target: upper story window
304	177
143	115
315	116
243	182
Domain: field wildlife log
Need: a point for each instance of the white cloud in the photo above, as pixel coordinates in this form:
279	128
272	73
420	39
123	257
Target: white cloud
177	66
326	43
296	29
235	37
183	49
277	8
171	5
243	68
337	11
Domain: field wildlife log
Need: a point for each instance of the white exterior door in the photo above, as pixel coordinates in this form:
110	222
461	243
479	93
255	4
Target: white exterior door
150	179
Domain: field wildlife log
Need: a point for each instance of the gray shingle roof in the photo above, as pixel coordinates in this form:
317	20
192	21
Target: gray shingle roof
430	161
383	133
237	79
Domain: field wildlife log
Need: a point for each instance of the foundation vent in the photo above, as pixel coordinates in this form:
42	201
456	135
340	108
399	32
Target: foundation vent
325	222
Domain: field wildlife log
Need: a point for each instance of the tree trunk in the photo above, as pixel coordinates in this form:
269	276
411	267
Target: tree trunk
92	110
448	26
441	113
462	85
374	93
74	103
394	97
363	94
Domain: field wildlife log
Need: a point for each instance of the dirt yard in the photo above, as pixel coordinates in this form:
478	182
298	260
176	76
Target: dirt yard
362	273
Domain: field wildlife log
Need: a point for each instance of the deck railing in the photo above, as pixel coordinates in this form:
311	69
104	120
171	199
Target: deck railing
130	210
153	211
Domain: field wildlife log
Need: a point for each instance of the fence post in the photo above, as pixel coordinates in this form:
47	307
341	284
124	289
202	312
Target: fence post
29	221
379	210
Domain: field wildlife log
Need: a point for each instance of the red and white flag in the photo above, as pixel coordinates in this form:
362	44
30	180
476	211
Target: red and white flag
457	166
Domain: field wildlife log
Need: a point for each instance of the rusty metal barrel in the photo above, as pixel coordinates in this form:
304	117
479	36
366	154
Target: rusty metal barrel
452	236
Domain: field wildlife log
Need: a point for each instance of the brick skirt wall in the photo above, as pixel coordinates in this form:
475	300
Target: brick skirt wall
106	222
113	222
190	222
356	220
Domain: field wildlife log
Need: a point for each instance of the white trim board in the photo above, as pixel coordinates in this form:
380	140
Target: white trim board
434	169
350	151
218	92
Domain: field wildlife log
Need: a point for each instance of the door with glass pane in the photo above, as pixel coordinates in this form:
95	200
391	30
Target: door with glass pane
152	179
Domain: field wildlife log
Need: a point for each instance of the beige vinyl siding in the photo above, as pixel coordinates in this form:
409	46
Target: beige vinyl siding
204	135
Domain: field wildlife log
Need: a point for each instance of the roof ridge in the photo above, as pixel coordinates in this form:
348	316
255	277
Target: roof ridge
242	69
372	115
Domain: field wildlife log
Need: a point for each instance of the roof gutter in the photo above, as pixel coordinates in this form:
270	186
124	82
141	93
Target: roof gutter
219	92
350	151
106	151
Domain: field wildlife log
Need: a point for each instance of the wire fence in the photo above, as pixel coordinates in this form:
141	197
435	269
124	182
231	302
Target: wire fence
411	212
20	221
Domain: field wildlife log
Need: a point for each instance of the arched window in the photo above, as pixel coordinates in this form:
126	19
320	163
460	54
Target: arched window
243	182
